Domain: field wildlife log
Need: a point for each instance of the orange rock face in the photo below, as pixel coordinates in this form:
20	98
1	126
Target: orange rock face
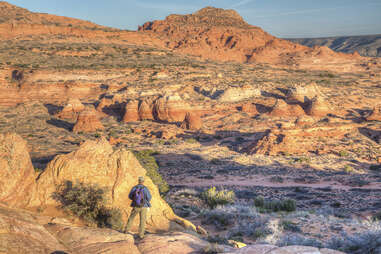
88	121
17	176
146	110
131	112
282	109
318	107
375	115
249	108
220	34
71	110
192	121
170	108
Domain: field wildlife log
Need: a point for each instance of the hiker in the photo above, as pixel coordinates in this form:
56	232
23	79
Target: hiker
141	198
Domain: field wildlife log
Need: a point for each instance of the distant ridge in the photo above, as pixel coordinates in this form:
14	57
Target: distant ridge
365	45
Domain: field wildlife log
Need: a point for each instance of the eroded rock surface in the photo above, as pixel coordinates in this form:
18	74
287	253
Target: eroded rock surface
88	121
17	176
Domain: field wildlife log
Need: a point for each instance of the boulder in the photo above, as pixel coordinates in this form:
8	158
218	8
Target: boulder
271	249
88	121
170	108
302	94
96	163
17	176
22	233
318	107
282	109
249	108
71	110
375	115
131	112
93	240
146	110
192	121
172	243
235	94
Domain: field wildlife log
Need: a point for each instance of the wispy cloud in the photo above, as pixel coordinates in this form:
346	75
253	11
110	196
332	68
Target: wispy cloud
241	3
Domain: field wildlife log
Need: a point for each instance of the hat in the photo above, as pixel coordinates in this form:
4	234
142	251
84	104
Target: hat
141	179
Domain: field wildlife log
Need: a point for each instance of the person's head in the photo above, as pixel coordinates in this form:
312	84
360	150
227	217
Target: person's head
141	179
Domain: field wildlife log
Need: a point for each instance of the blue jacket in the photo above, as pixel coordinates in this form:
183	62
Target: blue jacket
147	195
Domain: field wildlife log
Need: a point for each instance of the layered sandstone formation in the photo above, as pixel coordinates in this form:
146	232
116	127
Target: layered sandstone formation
94	163
146	110
318	107
235	94
71	110
282	109
302	94
192	121
17	176
170	108
220	34
375	115
88	121
249	108
299	140
131	113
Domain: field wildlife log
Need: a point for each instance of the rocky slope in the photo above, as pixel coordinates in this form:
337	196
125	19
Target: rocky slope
223	35
365	45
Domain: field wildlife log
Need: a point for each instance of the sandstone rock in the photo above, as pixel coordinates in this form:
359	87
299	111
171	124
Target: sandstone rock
170	108
235	94
375	115
318	107
295	250
249	108
305	120
302	94
269	144
71	110
21	233
93	240
17	176
192	121
172	243
88	121
282	109
146	110
131	112
255	249
95	162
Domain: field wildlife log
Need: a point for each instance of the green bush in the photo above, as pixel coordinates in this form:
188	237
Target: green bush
88	203
213	197
287	205
148	161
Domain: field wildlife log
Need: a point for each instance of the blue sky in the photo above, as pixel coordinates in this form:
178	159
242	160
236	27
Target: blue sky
282	18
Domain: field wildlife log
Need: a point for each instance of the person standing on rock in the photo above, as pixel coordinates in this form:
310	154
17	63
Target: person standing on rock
141	198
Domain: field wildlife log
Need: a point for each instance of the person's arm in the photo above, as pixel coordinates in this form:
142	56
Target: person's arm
148	195
130	196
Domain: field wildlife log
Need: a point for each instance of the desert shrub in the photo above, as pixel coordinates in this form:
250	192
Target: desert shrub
297	239
287	205
375	168
148	161
255	229
377	216
290	226
214	197
212	248
223	216
368	242
191	141
88	203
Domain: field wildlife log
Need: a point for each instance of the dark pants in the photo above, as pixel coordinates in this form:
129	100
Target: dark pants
142	211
